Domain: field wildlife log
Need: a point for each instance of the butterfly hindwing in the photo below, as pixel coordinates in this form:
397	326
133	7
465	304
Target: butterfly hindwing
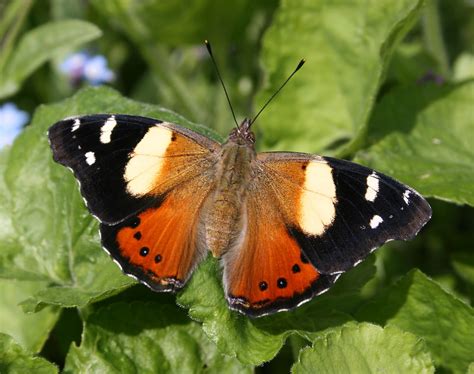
123	163
161	246
310	219
267	271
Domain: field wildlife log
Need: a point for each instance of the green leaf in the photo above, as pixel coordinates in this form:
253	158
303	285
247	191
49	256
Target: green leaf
365	348
255	341
30	330
418	305
347	46
55	239
40	45
156	338
15	360
420	135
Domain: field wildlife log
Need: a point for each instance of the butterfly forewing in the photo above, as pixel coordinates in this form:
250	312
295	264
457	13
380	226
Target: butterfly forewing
357	209
124	162
370	209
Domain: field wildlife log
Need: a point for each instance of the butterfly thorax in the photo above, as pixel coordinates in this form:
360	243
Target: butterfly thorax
224	221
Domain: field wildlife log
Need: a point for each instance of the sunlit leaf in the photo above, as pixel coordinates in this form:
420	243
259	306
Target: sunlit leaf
365	348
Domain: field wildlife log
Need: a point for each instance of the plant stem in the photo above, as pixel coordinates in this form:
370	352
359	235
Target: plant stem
10	25
433	36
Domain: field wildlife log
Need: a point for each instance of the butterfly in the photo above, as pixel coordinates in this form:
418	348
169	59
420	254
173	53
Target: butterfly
284	225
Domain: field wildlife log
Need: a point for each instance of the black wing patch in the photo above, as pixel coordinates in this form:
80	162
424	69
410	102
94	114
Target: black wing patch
371	209
96	148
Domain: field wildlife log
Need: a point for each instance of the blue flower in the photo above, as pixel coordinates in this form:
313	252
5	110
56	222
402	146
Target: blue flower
12	121
96	70
73	66
81	65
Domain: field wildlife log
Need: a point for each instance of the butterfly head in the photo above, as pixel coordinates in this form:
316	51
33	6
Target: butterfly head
242	134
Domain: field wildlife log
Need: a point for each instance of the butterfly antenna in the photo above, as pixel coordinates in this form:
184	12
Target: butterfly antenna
208	46
300	64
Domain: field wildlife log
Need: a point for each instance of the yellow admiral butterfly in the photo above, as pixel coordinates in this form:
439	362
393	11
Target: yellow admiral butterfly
284	225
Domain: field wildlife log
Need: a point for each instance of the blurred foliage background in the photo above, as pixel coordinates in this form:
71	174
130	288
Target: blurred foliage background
388	84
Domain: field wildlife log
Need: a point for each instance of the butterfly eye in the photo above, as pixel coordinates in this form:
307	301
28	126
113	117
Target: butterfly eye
252	137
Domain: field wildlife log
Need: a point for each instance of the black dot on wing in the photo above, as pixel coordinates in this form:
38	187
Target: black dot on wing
263	285
304	260
158	258
173	137
137	235
295	268
303	166
135	222
144	251
282	283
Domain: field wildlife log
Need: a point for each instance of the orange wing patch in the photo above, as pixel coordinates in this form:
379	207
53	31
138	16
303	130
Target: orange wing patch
160	246
268	269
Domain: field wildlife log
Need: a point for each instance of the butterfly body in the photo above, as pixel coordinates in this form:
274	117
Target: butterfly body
283	225
235	169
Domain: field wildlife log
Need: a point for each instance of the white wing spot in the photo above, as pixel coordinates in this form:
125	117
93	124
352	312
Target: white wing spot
90	158
317	201
76	124
372	187
375	221
406	195
147	160
106	130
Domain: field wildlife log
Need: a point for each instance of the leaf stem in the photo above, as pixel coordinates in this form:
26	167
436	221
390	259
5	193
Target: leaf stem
10	25
433	35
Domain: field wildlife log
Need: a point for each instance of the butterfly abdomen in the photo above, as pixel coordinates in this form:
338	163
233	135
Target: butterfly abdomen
223	217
